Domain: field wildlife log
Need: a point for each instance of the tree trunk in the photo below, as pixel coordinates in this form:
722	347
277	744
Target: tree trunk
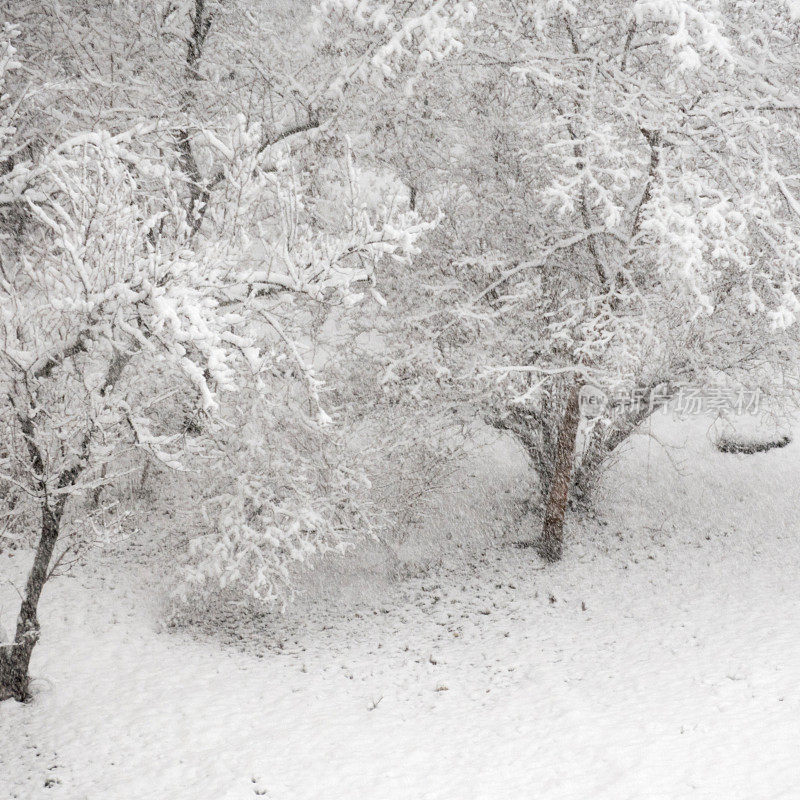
604	442
98	490
552	540
15	657
586	471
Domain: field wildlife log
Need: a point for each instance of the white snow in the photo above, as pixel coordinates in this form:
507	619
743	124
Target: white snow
490	682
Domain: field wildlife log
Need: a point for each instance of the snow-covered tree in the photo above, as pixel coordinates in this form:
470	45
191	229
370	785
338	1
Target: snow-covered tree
166	230
620	189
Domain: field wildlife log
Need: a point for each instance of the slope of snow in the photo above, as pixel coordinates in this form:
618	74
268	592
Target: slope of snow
658	660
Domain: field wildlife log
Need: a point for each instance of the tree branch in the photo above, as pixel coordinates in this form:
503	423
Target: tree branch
80	345
654	140
313	123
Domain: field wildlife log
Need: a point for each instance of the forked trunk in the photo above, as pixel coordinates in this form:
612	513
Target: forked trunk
15	658
603	442
552	540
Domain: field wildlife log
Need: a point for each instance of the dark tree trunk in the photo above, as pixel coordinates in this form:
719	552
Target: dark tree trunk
552	539
15	657
98	490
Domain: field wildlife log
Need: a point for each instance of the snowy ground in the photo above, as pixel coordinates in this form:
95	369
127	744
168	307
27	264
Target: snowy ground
660	660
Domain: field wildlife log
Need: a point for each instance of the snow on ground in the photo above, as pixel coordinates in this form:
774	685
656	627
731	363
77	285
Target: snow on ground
660	659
